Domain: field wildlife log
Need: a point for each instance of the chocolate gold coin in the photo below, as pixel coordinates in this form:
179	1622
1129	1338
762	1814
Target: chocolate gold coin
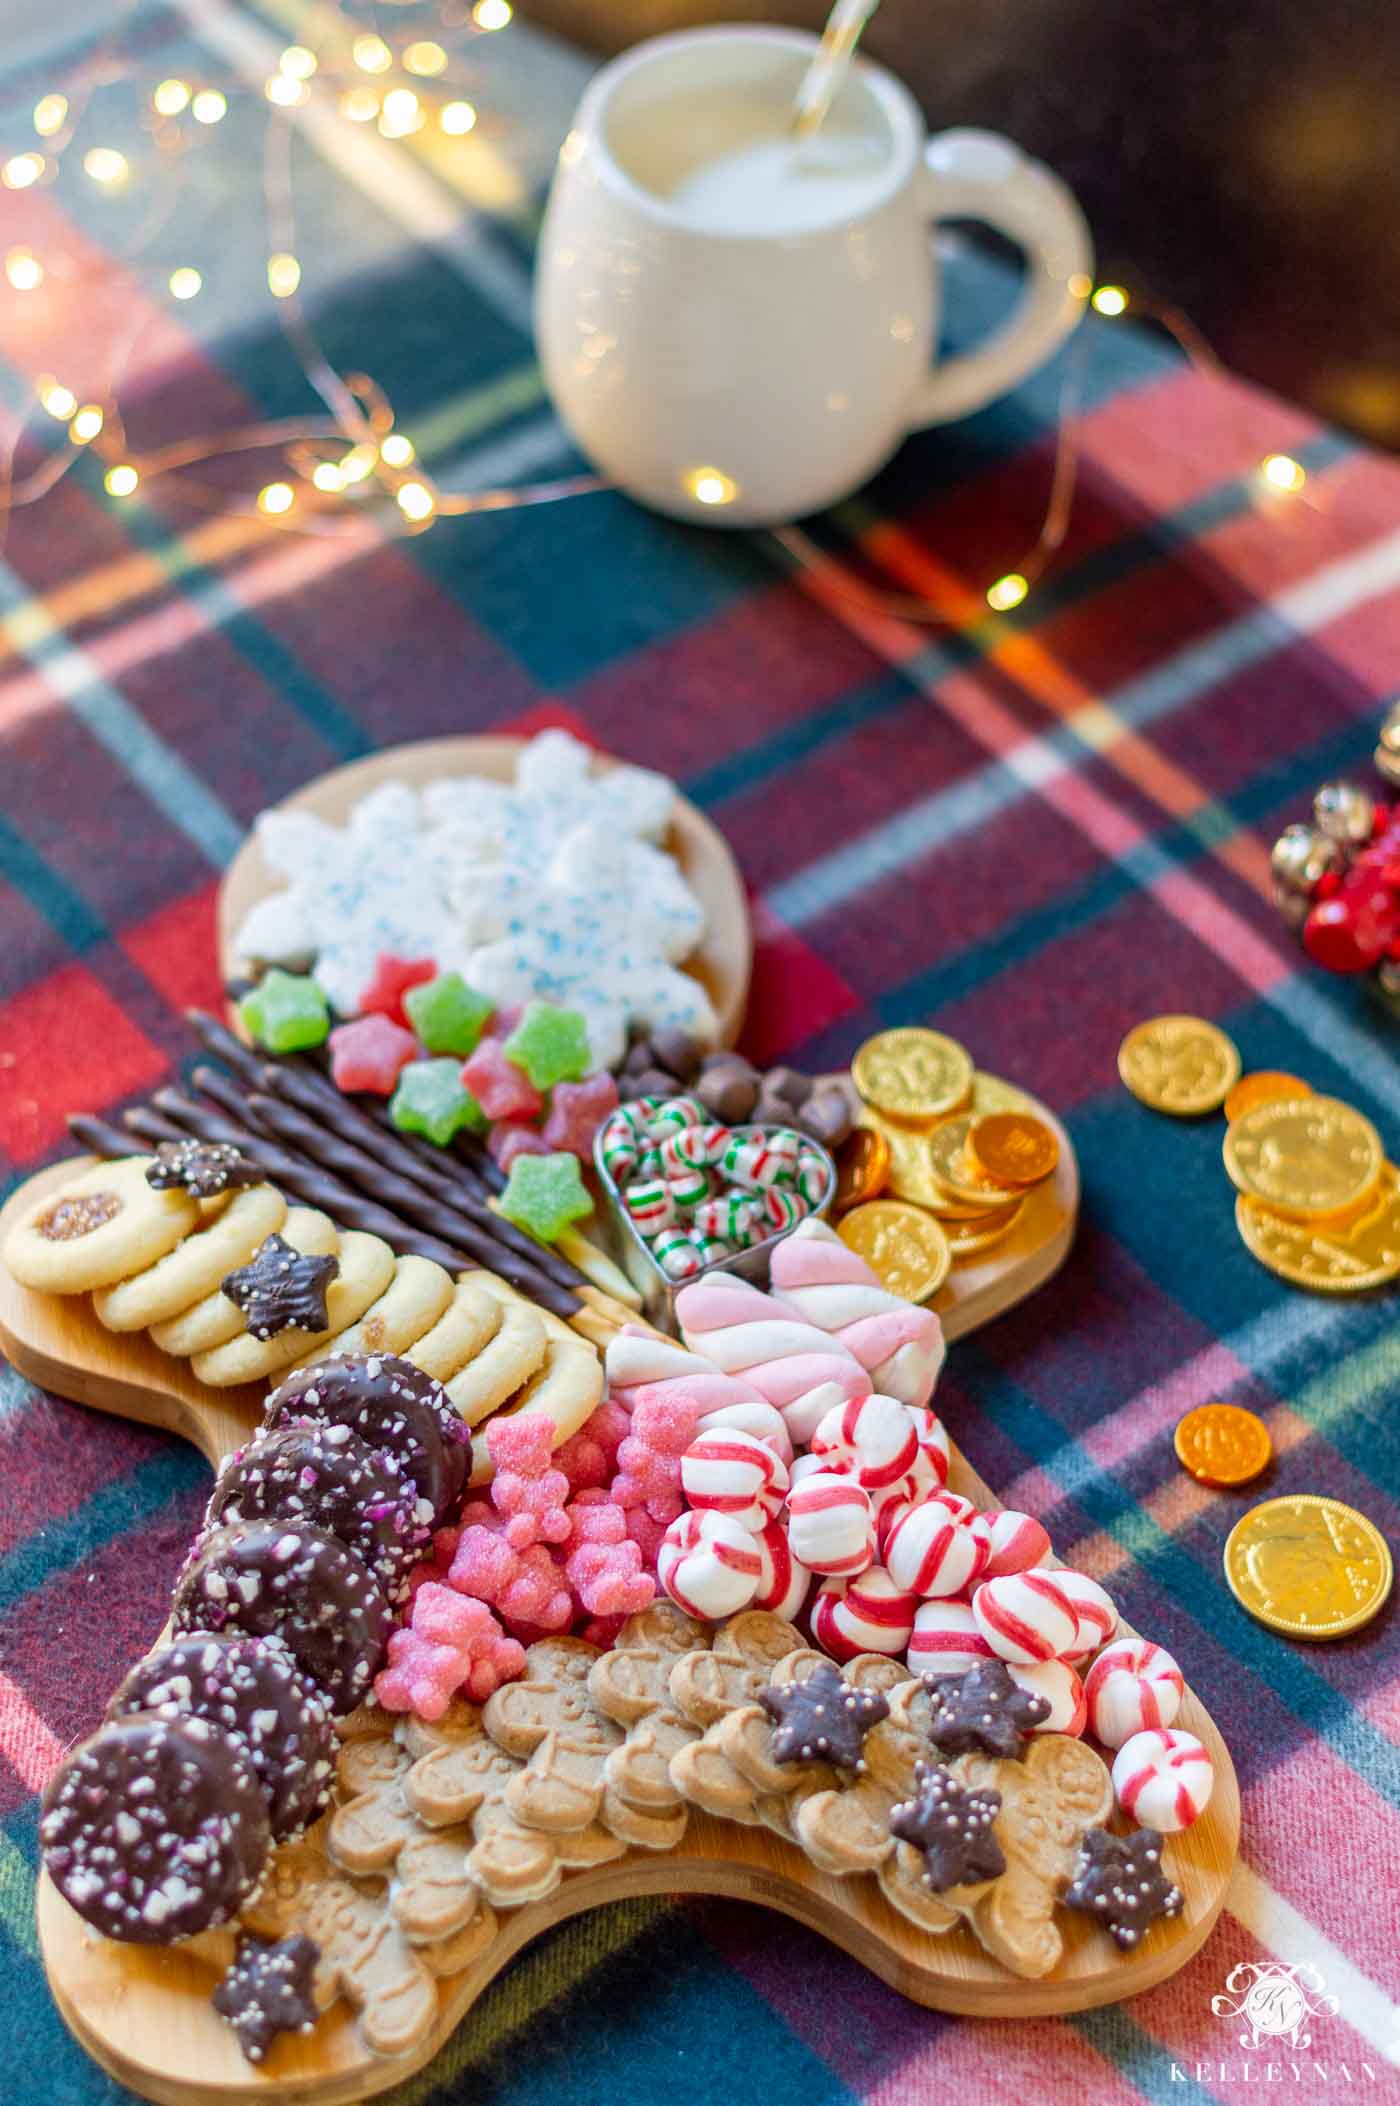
1012	1147
1179	1064
913	1073
1308	1567
862	1167
1222	1444
966	1239
910	1173
1331	1255
991	1094
1264	1086
958	1175
904	1246
1303	1156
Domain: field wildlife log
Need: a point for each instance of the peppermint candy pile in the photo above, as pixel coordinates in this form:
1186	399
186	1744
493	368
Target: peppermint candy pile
698	1192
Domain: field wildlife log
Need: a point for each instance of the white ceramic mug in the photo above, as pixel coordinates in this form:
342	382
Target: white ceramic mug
736	337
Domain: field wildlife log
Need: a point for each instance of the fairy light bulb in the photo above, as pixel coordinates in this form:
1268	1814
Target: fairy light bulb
711	486
209	106
401	114
59	401
491	14
286	92
105	166
21	170
50	115
358	463
396	449
297	61
275	499
1007	592
24	270
360	105
86	424
1110	300
457	119
371	54
283	275
415	501
329	477
185	283
1281	472
121	480
425	58
170	97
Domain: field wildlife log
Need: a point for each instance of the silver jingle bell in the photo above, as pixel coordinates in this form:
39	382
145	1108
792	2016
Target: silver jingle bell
1387	754
1344	812
1301	856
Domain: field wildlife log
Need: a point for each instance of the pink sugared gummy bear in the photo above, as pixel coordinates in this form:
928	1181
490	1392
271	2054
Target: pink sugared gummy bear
577	1110
503	1090
605	1568
367	1054
452	1644
649	1460
648	1535
589	1457
526	1586
525	1491
508	1139
389	983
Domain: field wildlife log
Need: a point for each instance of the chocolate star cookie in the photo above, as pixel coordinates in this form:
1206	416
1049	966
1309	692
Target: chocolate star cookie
952	1825
267	1991
982	1709
201	1168
1119	1881
822	1719
278	1287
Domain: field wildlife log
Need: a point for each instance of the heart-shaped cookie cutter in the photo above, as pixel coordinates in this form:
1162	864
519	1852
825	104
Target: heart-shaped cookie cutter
634	1252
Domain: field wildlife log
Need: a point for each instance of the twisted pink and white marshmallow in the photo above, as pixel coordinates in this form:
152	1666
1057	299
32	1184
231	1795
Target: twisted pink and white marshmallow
749	1335
832	1287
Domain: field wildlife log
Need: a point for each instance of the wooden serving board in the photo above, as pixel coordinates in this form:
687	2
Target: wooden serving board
144	2013
725	956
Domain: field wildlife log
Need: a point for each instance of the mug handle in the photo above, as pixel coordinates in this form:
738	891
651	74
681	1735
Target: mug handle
970	174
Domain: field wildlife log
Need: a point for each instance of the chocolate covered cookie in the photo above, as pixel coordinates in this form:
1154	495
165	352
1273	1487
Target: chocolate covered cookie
155	1828
390	1404
300	1584
327	1476
253	1691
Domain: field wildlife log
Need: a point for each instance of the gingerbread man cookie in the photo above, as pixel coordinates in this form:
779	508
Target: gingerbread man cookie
631	1685
729	1771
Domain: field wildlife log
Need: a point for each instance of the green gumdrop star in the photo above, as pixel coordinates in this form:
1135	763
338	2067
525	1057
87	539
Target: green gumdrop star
550	1044
543	1194
430	1100
448	1016
286	1012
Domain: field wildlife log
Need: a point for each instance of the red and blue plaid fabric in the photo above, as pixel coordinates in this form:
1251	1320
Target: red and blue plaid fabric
1033	828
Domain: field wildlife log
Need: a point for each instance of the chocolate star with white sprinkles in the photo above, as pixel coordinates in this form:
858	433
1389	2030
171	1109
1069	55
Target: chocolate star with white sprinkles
267	1991
952	1825
822	1719
983	1708
278	1287
201	1168
1120	1882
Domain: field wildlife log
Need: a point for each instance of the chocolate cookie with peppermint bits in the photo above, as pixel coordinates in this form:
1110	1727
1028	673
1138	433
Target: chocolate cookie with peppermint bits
390	1404
328	1476
155	1828
252	1690
299	1583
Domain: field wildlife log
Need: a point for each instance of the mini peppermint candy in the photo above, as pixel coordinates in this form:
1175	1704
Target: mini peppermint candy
676	1255
672	1115
650	1204
690	1189
695	1147
729	1215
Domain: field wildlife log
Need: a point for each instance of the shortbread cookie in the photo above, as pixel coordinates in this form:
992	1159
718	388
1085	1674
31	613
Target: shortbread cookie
730	1770
501	1368
100	1227
546	1719
468	1323
567	1389
366	1268
411	1304
631	1685
196	1266
215	1320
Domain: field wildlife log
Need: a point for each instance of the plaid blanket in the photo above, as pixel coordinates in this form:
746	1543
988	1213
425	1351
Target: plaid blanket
1034	828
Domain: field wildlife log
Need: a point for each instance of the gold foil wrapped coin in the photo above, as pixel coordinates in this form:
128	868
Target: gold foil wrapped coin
1329	1256
1304	1156
1012	1147
958	1175
904	1246
862	1167
1179	1064
967	1239
1222	1444
913	1073
1263	1087
1308	1567
911	1173
991	1094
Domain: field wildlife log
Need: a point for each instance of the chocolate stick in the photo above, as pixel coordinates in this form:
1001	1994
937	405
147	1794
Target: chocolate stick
312	1138
341	1116
104	1140
301	1180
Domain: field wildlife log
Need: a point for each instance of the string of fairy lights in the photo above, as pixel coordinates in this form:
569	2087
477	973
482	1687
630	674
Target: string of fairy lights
330	470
